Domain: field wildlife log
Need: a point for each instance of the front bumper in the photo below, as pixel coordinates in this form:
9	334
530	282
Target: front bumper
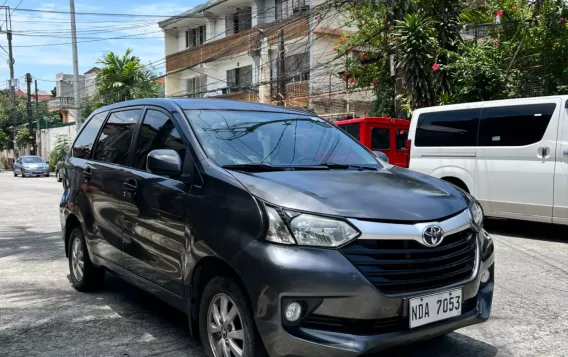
278	273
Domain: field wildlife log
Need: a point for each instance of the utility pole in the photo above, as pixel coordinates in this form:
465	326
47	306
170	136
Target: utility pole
264	65
75	67
281	69
12	83
38	127
29	109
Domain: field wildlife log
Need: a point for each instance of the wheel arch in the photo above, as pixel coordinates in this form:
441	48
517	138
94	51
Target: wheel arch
455	175
206	269
71	222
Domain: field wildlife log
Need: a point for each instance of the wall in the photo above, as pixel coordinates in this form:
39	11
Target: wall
49	138
64	85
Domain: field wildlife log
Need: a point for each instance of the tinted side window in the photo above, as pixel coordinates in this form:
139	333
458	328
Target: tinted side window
351	129
84	143
448	128
114	142
380	139
401	137
158	132
514	125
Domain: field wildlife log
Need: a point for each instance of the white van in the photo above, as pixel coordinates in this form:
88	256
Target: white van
512	155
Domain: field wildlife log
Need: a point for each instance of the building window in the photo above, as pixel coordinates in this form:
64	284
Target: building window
195	37
239	21
297	67
239	78
197	87
287	8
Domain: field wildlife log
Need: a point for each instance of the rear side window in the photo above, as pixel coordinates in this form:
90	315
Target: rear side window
401	137
448	128
158	132
351	129
514	125
84	143
380	139
113	145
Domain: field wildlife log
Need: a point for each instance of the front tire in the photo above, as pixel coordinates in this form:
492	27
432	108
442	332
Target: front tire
58	177
15	174
226	323
84	275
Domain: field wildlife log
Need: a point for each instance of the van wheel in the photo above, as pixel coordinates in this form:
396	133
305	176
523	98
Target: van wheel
84	275
226	325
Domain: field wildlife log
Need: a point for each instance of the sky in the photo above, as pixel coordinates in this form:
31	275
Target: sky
42	41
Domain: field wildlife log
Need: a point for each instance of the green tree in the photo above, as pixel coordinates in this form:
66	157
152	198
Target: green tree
23	138
123	78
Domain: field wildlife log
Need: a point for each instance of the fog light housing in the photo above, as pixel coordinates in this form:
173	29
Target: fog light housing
485	276
293	311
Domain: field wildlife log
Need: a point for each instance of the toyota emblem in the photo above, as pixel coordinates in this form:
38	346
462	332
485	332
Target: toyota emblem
432	235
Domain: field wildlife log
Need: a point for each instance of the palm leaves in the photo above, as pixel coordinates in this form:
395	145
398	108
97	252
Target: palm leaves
416	48
124	78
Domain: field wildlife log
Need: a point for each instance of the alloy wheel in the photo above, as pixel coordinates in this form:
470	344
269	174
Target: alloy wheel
225	327
77	261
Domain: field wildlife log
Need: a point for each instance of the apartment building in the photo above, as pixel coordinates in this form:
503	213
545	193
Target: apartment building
268	51
64	100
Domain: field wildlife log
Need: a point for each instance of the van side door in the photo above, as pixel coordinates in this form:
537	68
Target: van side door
103	177
516	158
154	206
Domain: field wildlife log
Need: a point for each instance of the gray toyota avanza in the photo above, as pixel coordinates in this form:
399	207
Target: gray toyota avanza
272	229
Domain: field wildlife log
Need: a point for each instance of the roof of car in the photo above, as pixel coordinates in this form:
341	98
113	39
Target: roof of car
204	104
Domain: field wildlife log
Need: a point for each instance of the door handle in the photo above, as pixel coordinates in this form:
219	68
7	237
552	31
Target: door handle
543	152
87	173
565	152
130	186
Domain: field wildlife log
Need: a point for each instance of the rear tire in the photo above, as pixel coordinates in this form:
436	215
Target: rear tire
236	333
15	174
84	275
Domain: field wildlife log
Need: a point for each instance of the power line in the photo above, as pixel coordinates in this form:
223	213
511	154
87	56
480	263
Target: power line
11	12
132	37
115	14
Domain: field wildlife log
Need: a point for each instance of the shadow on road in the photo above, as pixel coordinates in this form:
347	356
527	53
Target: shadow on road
27	244
528	230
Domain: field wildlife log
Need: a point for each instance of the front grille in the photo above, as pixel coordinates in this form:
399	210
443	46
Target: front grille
405	266
368	327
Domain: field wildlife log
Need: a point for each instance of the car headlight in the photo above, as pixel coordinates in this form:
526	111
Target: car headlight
476	216
309	230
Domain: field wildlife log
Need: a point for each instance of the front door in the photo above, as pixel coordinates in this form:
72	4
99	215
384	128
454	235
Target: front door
154	226
516	158
103	176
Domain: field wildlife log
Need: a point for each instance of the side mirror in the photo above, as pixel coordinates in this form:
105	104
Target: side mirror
164	163
381	155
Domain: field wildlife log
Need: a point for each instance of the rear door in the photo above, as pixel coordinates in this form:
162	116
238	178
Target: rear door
381	140
153	207
398	152
104	175
516	158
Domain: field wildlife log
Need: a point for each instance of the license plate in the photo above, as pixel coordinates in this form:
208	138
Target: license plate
426	309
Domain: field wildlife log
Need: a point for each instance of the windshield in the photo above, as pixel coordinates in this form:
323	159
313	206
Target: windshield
32	160
276	139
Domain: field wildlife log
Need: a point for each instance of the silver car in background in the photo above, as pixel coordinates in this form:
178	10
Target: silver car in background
31	166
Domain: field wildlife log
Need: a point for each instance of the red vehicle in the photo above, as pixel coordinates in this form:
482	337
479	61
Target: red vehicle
384	134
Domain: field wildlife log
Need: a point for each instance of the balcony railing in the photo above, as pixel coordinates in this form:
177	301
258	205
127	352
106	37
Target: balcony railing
59	103
246	41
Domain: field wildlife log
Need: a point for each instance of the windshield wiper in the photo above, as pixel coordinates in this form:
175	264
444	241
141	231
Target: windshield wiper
335	166
255	167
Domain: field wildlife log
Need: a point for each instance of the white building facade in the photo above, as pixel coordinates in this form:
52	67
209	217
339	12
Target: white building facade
268	51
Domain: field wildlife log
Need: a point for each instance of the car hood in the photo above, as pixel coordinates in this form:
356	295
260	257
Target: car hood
393	194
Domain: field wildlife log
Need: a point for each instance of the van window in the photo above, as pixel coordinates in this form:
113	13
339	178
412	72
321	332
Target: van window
380	139
157	132
401	137
84	143
448	128
517	125
351	129
114	142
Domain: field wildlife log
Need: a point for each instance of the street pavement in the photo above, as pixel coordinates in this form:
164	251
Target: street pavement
42	315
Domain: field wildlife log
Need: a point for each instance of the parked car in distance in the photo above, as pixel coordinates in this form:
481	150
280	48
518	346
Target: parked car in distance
31	166
272	229
381	134
59	172
512	155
